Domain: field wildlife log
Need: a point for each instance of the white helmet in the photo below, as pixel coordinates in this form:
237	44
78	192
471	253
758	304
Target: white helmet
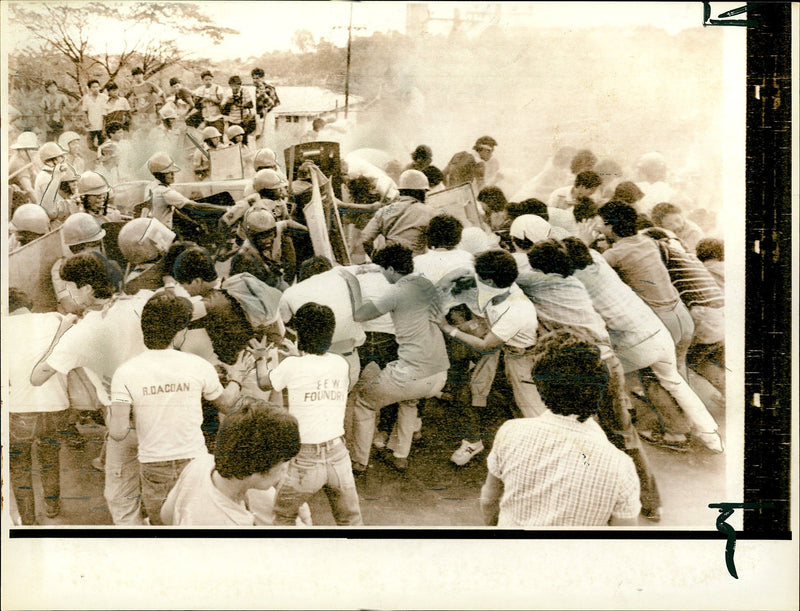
92	183
211	132
80	228
258	220
30	217
65	139
70	174
26	140
51	150
144	239
268	179
233	131
161	163
413	179
168	111
265	158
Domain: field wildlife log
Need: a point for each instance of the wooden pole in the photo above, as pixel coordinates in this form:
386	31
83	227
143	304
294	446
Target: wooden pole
347	72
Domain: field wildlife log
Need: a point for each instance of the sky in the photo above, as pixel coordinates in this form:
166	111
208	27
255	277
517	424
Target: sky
267	26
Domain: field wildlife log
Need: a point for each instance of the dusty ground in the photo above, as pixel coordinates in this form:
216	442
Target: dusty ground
433	491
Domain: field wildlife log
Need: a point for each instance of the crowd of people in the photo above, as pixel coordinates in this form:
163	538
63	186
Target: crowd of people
239	374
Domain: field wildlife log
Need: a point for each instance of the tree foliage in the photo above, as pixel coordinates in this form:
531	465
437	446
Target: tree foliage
149	32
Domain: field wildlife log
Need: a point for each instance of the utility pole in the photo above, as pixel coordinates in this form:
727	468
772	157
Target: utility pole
347	71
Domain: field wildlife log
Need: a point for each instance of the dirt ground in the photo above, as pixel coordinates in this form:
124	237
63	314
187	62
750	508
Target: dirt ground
433	492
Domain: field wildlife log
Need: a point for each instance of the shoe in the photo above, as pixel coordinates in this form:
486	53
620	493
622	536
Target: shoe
668	441
380	439
358	468
97	464
711	441
52	507
654	515
466	452
399	464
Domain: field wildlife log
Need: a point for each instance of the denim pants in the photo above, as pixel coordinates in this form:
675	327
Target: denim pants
24	429
123	491
323	466
378	388
158	478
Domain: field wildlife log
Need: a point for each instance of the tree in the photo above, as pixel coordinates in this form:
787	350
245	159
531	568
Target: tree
303	40
148	32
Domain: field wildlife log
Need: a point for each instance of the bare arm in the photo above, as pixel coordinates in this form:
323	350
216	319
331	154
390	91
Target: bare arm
489	343
119	420
362	310
491	493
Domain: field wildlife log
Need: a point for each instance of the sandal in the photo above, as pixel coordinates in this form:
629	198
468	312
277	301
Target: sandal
658	439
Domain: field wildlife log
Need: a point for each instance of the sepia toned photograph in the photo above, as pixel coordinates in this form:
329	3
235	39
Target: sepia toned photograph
340	270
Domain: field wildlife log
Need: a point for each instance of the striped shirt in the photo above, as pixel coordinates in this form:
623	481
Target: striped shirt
628	319
557	471
691	278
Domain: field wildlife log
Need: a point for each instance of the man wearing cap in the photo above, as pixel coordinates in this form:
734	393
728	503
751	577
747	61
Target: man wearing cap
71	143
267	252
21	167
239	107
52	157
405	219
525	231
163	198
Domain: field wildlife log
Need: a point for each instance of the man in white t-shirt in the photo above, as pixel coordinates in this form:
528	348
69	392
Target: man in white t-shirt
512	326
318	283
443	255
164	387
235	486
35	412
317	382
106	336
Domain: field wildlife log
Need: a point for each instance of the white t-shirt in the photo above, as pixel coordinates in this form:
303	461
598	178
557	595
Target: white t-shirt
330	289
435	264
523	265
165	388
27	337
373	285
94	107
317	385
514	319
102	340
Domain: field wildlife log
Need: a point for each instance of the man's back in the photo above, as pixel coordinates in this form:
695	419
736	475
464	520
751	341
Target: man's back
557	471
401	222
420	342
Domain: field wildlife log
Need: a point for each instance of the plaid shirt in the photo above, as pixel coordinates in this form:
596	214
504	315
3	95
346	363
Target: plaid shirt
564	303
557	471
629	320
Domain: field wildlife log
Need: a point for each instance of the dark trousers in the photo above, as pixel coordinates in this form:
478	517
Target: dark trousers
382	349
24	429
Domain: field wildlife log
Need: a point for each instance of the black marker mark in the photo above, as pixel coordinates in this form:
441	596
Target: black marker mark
726	511
723	18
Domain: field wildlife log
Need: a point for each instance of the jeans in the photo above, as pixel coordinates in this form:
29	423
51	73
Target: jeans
158	478
123	491
319	466
378	388
24	429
